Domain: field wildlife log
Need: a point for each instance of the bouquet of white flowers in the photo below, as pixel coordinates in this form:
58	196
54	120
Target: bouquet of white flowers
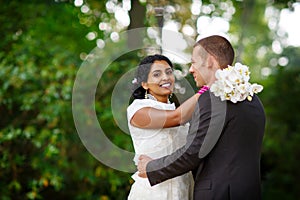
233	84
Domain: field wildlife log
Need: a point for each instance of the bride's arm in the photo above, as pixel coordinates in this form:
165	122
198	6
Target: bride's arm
154	118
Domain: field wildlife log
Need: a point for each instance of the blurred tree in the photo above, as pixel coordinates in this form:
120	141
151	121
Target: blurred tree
41	155
281	151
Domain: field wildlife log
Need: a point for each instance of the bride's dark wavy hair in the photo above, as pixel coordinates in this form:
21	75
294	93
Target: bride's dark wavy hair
141	75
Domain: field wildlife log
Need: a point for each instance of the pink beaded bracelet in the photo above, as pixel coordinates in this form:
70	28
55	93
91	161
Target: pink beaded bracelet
203	89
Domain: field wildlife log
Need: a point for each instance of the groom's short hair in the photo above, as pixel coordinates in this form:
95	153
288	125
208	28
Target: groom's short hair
219	47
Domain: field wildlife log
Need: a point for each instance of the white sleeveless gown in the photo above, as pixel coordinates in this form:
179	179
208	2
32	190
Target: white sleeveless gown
157	143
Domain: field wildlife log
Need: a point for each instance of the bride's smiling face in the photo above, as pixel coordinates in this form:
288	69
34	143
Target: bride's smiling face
160	81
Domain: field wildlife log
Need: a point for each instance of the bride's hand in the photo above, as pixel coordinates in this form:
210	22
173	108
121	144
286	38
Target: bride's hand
143	161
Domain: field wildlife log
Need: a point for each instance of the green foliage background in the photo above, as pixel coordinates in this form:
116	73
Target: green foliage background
41	156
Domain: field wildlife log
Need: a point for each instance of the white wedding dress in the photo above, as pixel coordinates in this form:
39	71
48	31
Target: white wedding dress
157	143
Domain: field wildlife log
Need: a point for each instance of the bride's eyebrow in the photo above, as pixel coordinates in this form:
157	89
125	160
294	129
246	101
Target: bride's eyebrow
157	70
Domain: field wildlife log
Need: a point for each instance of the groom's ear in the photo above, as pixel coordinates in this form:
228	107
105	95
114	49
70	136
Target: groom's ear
212	62
145	85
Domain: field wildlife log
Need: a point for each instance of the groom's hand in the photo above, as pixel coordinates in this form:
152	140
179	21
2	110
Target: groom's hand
143	161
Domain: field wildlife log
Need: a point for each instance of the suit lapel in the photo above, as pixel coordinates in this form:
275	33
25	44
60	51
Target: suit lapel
216	125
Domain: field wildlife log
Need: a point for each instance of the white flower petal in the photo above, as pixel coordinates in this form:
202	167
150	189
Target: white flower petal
256	88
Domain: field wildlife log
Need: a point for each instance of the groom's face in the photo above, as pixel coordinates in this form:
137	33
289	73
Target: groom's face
199	66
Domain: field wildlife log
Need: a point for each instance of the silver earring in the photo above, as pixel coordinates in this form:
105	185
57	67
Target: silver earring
146	94
170	96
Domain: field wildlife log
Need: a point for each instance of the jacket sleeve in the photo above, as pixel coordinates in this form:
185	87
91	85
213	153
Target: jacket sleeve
186	158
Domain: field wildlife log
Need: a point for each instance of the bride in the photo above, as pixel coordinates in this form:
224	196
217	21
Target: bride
157	127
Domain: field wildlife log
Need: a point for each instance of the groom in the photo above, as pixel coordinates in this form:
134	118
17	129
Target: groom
224	142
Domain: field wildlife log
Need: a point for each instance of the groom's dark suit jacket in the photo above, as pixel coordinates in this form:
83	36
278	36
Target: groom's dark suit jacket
223	150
